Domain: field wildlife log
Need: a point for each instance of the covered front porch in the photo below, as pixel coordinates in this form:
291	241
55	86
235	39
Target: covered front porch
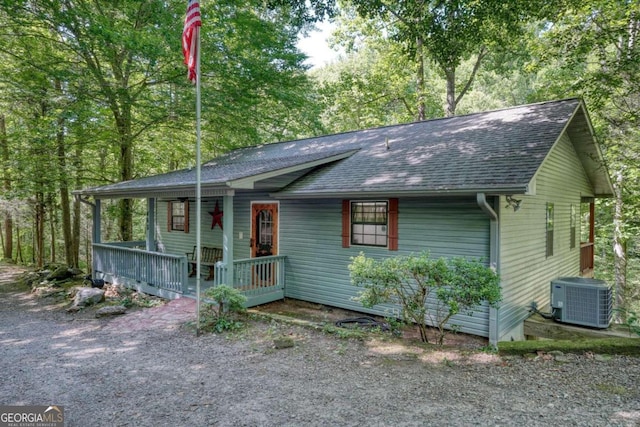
233	212
165	275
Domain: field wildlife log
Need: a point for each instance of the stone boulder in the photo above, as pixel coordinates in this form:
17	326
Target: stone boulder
60	273
283	342
111	310
88	296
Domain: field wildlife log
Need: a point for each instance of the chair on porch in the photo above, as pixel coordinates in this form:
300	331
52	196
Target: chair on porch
208	258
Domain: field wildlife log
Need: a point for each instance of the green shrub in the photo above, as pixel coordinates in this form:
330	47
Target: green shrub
429	291
631	320
220	314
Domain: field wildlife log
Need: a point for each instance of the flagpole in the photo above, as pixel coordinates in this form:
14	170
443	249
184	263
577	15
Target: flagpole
198	190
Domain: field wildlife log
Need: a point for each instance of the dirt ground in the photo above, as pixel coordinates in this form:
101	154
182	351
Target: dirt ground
161	374
322	314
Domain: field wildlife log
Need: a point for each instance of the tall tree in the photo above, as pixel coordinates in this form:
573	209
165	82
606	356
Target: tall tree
374	82
123	103
451	32
595	44
7	223
113	46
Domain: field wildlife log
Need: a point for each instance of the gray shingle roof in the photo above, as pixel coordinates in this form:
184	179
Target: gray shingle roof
215	173
495	151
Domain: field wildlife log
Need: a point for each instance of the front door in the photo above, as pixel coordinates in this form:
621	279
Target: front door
264	229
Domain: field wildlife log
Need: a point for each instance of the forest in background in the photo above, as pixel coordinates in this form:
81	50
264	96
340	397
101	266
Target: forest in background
94	92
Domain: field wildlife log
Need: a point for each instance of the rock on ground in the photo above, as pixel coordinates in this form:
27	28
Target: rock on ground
111	310
88	296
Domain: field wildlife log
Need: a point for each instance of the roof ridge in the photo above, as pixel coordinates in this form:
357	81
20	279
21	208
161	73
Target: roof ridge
435	119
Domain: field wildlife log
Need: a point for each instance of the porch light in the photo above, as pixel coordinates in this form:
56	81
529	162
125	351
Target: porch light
513	203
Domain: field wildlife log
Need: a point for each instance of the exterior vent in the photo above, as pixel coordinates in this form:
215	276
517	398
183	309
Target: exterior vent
582	301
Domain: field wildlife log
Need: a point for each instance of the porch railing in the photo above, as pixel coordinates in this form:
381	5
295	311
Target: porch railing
132	244
260	279
151	272
586	257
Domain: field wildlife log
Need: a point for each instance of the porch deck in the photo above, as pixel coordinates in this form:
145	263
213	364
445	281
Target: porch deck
261	280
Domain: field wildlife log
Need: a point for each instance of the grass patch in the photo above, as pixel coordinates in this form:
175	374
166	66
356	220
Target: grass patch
344	333
614	389
624	346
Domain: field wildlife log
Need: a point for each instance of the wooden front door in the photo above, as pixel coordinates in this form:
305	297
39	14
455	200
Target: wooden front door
264	229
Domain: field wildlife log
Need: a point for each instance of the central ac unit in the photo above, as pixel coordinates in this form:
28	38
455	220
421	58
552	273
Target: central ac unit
582	301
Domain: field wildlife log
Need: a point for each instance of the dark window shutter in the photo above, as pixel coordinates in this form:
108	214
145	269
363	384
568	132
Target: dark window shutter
393	224
169	215
346	224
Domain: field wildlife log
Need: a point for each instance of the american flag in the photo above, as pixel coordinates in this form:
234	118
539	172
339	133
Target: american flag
190	34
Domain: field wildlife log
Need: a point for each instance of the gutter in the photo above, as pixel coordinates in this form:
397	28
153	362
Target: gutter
396	192
481	199
494	261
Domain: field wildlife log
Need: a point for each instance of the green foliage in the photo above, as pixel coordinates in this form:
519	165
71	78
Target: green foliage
395	325
474	283
450	33
631	321
628	346
429	291
342	333
95	92
224	306
592	50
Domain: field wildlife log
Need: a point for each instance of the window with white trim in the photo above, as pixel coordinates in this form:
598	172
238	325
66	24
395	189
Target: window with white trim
369	223
178	216
549	249
572	226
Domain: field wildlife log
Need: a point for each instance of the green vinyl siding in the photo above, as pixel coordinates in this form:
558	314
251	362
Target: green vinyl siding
310	237
525	270
177	242
317	264
180	242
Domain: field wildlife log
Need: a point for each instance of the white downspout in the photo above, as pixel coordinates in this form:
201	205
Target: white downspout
494	241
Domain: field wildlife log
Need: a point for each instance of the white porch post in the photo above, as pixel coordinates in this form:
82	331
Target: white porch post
227	237
151	225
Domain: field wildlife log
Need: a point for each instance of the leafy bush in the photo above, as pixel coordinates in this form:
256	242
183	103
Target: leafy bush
631	320
429	291
226	303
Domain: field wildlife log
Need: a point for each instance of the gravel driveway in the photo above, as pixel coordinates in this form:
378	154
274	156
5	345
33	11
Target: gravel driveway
104	376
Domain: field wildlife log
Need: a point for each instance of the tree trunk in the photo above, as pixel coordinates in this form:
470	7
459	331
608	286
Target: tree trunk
8	220
8	236
75	235
77	212
53	256
19	256
454	99
450	74
420	79
619	248
126	170
38	244
63	182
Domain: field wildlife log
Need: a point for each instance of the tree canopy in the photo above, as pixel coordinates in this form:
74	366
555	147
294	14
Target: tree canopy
452	32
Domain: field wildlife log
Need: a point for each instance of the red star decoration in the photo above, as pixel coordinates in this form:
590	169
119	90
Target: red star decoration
217	216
